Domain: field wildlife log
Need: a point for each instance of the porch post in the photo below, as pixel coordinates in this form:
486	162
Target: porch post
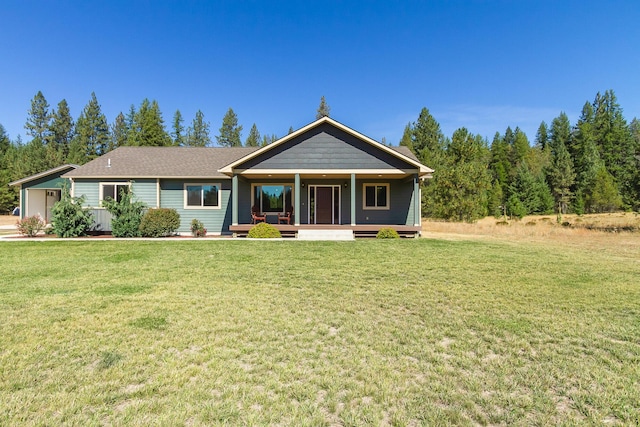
417	201
296	200
353	199
234	200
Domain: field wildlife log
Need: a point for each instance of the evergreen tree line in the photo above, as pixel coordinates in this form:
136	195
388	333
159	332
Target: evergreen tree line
54	138
592	166
589	167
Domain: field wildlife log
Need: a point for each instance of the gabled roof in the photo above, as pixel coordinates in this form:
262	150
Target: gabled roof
161	162
402	153
43	174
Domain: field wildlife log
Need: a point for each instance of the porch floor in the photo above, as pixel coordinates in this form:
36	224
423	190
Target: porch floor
359	230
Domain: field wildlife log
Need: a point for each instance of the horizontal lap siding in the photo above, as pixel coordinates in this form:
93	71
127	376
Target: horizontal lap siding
400	210
216	221
145	190
90	189
326	148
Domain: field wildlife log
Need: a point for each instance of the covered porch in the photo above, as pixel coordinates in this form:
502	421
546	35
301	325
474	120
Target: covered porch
362	202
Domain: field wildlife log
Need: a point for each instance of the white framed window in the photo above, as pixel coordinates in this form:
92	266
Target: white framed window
272	197
202	196
113	190
375	196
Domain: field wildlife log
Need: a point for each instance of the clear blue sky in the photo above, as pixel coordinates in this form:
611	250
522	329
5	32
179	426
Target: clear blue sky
484	65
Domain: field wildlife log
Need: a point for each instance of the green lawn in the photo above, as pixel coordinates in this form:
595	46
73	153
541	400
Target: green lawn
411	332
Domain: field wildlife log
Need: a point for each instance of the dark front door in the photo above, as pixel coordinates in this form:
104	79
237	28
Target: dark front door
324	205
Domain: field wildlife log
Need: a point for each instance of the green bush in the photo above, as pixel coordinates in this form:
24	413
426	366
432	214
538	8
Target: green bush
30	225
161	222
69	218
264	231
387	233
127	215
197	228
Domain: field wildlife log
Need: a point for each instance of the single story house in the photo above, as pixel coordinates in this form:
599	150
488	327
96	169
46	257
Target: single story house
324	176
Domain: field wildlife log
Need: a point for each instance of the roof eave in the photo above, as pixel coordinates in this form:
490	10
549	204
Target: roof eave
43	174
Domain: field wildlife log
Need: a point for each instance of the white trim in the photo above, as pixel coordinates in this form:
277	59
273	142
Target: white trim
116	183
364	196
72	191
26	204
20	201
201	184
157	192
422	169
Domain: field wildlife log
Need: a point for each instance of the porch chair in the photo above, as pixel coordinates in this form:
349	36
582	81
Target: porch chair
256	216
285	217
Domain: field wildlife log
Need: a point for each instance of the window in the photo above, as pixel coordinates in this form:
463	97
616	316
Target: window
113	190
202	196
376	196
272	197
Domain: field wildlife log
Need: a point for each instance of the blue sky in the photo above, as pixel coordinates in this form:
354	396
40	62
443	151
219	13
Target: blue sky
484	65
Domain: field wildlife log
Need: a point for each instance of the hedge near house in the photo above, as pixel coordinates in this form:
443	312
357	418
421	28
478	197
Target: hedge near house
160	222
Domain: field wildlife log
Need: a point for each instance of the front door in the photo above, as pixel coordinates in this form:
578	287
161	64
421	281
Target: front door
324	204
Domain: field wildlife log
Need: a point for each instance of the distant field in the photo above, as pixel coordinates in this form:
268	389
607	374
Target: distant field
463	331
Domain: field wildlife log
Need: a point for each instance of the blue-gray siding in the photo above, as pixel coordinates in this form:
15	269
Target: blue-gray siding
326	147
216	221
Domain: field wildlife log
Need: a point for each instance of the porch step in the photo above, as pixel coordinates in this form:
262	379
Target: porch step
337	234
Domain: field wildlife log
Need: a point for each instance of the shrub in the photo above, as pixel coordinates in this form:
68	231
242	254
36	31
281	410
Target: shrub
161	222
69	218
197	228
30	225
264	231
387	233
127	215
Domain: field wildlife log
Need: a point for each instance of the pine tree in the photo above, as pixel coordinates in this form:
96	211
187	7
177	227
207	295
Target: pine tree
542	136
427	138
60	135
499	164
178	129
520	148
604	195
198	132
531	191
323	109
253	140
561	175
460	189
8	195
230	131
92	137
407	138
615	142
148	127
38	118
119	132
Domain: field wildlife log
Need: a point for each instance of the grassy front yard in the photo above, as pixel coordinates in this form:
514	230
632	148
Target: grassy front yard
412	332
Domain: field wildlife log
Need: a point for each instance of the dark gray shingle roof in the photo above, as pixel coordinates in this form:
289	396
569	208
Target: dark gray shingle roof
161	162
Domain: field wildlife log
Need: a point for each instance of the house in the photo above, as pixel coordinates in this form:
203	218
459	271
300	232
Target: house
39	192
326	175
